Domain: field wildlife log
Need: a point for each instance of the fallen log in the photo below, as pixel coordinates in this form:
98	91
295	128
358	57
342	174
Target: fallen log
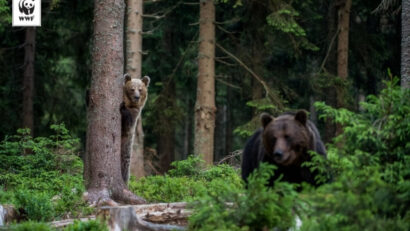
64	223
149	217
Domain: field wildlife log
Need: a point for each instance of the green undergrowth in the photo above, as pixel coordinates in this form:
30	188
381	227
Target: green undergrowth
92	225
369	168
187	181
365	179
42	176
255	207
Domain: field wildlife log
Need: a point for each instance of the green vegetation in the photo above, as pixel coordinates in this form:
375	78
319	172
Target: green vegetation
42	176
188	181
369	186
370	169
93	225
253	208
368	173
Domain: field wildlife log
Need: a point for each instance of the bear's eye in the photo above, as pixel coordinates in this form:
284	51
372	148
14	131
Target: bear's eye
132	89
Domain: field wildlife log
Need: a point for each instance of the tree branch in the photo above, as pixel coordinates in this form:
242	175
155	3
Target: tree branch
253	74
328	50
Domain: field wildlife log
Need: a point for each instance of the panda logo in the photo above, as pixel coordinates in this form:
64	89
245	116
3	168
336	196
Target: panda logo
26	6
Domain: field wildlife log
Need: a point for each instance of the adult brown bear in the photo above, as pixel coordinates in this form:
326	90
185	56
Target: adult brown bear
284	141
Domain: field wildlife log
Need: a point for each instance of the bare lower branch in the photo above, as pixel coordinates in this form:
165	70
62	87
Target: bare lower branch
253	74
329	49
228	84
156	17
220	60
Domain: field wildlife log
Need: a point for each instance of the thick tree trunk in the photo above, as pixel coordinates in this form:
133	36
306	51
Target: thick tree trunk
205	100
28	78
133	67
405	44
343	40
343	53
137	155
166	136
102	171
229	121
331	67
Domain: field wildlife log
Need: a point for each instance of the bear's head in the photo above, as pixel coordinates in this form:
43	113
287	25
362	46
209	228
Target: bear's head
135	91
286	139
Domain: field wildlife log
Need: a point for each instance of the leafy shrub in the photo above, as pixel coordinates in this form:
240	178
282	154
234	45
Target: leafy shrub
92	225
29	167
30	226
255	208
35	205
187	181
371	178
191	167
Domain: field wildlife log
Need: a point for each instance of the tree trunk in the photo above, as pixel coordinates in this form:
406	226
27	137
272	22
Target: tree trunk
137	155
102	173
133	67
343	40
343	53
205	100
331	68
405	44
166	136
229	120
28	78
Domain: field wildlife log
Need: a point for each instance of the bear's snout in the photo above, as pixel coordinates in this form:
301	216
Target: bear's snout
278	154
137	97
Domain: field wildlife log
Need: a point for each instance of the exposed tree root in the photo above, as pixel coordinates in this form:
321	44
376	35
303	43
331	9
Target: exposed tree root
127	197
102	197
99	197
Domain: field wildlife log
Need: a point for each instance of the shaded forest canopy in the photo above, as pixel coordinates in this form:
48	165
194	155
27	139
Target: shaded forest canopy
288	45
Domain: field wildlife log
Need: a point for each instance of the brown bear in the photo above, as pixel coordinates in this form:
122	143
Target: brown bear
134	97
284	141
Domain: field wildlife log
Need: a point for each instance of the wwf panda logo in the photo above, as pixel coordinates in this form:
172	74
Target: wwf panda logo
27	6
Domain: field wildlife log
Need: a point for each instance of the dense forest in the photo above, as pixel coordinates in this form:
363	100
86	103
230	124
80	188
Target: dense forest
214	66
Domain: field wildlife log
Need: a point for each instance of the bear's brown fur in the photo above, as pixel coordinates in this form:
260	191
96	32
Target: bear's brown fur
134	97
284	141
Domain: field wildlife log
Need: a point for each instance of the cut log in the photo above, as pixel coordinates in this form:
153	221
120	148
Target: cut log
64	223
148	217
151	217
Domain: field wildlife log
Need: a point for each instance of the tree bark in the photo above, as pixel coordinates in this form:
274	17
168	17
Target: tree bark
405	44
331	67
102	173
343	53
343	40
205	100
28	79
133	67
166	136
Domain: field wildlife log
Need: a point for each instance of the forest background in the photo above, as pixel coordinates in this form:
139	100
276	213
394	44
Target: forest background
290	45
270	56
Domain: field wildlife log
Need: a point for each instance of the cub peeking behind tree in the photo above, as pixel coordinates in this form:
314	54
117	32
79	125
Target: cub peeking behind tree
134	97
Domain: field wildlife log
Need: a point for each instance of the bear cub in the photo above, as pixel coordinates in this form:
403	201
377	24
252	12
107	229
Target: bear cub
135	93
284	141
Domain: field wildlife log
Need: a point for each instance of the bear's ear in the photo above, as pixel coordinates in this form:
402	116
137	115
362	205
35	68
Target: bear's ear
301	116
127	77
266	119
146	80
